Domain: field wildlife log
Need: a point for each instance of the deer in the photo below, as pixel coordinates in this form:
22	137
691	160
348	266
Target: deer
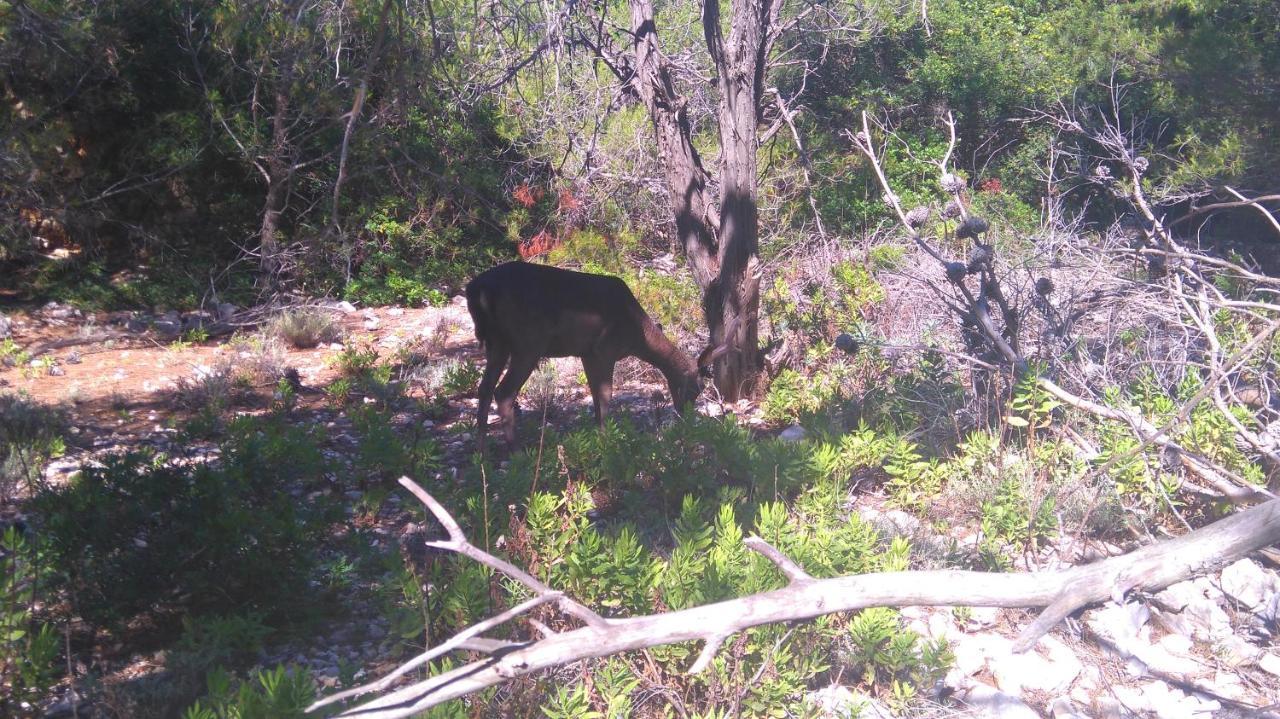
524	312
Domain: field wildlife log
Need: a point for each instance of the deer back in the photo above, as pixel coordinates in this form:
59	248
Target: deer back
549	312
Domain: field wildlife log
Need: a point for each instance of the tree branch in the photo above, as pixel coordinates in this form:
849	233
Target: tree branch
1153	567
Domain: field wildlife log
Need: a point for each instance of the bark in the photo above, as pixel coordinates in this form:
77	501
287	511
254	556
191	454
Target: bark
740	69
353	117
722	249
279	159
686	178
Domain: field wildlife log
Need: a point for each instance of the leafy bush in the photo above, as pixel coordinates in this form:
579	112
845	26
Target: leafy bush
137	533
28	647
279	693
304	328
30	434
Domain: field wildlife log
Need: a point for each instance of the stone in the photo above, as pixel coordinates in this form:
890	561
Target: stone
1270	663
1016	673
1247	583
1164	701
983	617
986	701
1208	621
197	320
226	311
794	433
344	306
1176	597
1063	708
170	323
6	326
837	702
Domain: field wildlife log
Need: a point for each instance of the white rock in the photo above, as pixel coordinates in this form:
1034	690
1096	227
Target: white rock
1248	583
1176	644
1016	673
1165	701
794	433
982	617
1176	597
1270	663
1122	621
396	311
985	701
1208	621
1063	708
1228	685
344	306
1237	652
838	702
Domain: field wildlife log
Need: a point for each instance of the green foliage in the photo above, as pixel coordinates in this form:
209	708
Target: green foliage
138	529
279	693
383	454
889	654
30	434
28	647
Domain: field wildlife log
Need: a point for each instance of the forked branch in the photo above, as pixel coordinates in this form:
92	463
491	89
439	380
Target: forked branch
804	597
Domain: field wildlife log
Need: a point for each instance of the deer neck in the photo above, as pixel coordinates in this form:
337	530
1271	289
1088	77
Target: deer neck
663	354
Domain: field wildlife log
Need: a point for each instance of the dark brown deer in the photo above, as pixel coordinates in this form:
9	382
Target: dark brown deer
524	312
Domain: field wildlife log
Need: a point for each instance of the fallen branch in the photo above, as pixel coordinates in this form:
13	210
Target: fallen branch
1150	568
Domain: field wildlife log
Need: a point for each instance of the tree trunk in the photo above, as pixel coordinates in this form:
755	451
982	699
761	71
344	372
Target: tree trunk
722	250
279	157
357	106
740	75
685	175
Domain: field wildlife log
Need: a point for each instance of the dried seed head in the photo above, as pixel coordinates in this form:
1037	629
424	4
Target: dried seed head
1140	164
1102	172
956	272
972	227
979	256
952	183
951	210
918	216
846	343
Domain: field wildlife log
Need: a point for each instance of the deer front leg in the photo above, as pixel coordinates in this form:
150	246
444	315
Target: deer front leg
495	361
517	373
599	373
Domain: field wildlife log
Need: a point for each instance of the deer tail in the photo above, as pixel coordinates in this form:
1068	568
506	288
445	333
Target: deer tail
480	305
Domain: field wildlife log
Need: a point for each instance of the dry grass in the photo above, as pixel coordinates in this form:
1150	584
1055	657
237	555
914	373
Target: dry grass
304	328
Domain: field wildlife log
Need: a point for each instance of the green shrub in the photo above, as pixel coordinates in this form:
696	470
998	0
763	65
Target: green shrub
28	648
279	693
136	533
30	434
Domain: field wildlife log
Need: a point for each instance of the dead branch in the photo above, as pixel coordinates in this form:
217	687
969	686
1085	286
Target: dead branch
974	310
1061	593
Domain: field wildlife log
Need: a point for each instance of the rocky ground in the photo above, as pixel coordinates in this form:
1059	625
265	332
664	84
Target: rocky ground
1204	647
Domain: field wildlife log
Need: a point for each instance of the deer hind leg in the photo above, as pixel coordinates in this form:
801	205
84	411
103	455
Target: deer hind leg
519	371
599	373
495	361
